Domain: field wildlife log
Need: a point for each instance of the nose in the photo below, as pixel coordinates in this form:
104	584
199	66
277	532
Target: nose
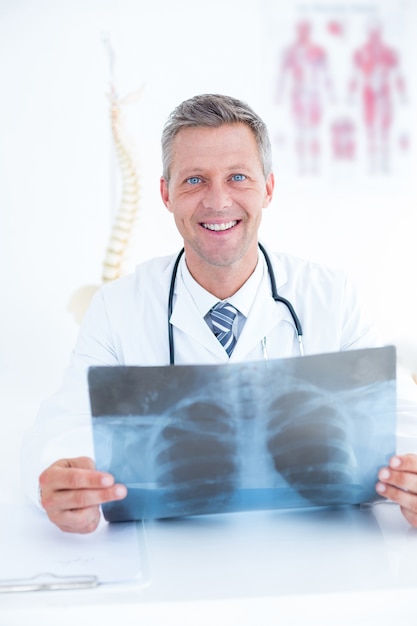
217	196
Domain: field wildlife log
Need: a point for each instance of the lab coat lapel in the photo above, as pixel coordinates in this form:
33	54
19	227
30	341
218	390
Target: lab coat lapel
186	318
264	316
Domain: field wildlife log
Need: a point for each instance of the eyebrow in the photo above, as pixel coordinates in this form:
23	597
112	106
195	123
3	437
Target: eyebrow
201	170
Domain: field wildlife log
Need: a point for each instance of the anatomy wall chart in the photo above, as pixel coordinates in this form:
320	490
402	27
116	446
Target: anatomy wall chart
341	87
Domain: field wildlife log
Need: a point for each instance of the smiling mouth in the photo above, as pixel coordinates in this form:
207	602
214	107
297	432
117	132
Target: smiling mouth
217	227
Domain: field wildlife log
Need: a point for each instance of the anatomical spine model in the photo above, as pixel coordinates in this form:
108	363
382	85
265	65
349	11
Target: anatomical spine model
129	204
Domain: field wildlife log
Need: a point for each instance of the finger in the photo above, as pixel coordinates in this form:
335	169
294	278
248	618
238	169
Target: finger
82	498
407	500
404	463
58	477
71	511
406	481
79	521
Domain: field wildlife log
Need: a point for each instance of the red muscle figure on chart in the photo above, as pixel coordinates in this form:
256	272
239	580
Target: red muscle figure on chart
377	74
305	64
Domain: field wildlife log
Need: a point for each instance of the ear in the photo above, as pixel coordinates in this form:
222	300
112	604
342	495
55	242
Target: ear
269	190
164	190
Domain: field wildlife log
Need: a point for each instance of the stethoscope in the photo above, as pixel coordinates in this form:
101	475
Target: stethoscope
274	294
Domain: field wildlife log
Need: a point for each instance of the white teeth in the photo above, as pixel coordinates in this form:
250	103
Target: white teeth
225	226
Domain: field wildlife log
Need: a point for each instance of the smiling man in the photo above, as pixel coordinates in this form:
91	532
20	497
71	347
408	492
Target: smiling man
216	189
216	295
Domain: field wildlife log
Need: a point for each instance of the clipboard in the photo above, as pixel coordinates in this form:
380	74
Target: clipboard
48	582
37	556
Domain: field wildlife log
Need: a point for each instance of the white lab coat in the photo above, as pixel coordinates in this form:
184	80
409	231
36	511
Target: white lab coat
127	324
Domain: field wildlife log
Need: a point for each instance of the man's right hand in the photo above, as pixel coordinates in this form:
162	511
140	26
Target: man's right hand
71	491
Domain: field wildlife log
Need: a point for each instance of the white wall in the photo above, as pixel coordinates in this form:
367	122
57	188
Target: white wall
58	190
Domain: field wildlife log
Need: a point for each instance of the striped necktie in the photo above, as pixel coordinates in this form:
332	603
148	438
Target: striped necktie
222	316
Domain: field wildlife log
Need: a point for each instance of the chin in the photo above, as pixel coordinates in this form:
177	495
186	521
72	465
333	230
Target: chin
224	254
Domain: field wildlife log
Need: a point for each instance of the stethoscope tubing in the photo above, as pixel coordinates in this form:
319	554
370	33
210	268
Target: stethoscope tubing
274	293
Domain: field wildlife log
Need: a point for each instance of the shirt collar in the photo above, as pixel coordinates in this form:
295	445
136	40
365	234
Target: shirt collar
204	300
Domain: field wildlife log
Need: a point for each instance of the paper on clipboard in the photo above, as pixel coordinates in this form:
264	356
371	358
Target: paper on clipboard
36	555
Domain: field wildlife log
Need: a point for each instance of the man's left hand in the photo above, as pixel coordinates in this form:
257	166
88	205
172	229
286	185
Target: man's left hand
398	482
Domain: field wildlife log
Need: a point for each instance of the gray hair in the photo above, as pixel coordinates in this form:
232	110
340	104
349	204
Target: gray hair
214	110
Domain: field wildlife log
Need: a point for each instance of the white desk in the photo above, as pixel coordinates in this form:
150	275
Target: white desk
346	566
299	568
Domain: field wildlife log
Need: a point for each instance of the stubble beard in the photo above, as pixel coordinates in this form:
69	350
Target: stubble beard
223	258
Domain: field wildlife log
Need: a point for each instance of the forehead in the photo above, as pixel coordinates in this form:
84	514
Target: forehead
196	146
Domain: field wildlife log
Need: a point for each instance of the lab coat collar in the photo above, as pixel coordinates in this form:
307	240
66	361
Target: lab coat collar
242	300
187	318
264	316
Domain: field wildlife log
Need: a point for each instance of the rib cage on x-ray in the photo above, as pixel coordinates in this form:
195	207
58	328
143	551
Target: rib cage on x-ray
194	469
194	439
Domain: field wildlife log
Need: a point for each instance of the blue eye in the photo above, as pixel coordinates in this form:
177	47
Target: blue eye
238	177
194	180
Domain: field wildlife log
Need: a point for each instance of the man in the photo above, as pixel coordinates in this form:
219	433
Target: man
217	179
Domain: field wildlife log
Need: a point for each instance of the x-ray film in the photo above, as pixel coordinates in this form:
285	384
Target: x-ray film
197	439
